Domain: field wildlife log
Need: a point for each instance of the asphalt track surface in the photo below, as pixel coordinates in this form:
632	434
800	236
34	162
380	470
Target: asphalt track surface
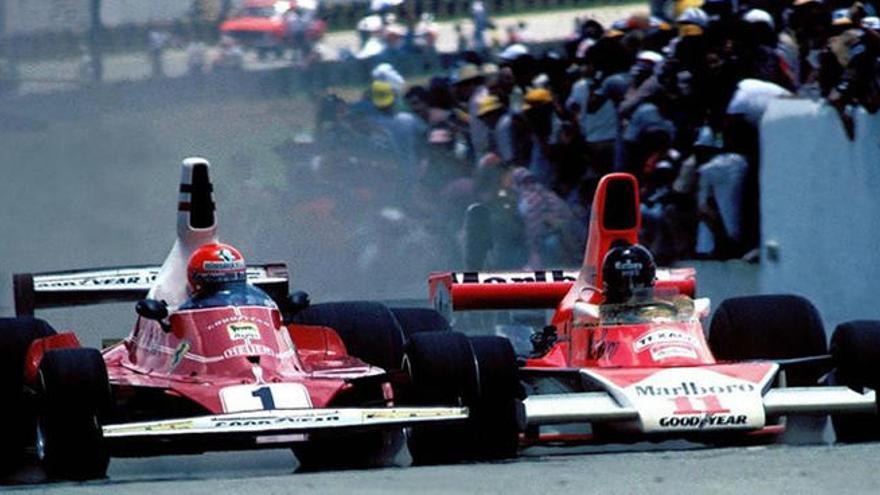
844	469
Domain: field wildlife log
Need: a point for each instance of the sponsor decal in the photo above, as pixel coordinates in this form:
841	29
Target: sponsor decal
693	388
316	419
664	336
695	399
605	349
238	318
243	331
248	350
179	353
403	414
169	426
628	268
97	280
134	278
223	265
703	421
226	255
513	278
668	352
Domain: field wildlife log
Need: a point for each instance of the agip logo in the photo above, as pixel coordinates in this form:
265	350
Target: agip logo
243	331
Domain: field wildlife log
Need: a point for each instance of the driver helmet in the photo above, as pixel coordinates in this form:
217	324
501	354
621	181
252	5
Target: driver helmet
626	271
215	264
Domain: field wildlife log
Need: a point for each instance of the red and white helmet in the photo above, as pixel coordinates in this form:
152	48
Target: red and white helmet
215	264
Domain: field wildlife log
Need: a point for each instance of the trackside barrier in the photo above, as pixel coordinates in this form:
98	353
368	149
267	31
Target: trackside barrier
268	83
820	208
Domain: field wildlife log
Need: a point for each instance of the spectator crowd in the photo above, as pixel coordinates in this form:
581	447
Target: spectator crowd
675	101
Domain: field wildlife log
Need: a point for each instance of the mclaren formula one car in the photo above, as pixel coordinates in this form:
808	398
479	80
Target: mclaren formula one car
613	371
339	383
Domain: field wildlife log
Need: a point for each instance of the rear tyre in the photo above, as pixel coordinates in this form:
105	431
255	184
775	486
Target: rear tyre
480	373
76	395
855	346
770	327
368	329
16	415
416	320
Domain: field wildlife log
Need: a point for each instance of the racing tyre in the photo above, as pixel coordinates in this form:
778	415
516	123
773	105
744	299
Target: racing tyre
480	373
855	346
770	327
76	395
415	320
368	329
16	335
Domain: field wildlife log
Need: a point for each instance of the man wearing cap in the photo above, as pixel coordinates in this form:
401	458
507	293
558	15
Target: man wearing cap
469	88
405	131
499	123
538	113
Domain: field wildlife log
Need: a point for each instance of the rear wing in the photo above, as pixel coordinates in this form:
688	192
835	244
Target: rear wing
455	291
34	291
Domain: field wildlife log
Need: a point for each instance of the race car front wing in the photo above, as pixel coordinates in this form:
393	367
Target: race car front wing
278	425
589	407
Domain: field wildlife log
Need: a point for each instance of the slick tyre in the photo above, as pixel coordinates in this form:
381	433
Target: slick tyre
479	373
770	327
416	320
16	335
75	398
855	346
369	330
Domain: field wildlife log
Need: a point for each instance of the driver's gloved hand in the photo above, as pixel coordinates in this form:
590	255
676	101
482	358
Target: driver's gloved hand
543	341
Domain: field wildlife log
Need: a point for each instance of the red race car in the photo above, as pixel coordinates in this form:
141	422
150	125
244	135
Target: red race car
268	26
620	353
244	367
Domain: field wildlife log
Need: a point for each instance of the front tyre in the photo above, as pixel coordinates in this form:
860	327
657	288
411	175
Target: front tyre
770	327
448	368
369	330
16	414
75	397
855	346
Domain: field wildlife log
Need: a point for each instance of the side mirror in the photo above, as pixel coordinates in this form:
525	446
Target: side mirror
152	309
702	307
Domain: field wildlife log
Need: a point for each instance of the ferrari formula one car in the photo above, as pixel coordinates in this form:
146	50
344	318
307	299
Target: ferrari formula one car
340	383
644	369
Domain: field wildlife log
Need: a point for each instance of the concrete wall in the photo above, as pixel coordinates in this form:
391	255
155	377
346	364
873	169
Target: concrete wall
820	196
116	12
35	16
29	16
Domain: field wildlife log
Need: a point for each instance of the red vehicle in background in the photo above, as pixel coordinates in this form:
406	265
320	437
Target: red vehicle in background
272	26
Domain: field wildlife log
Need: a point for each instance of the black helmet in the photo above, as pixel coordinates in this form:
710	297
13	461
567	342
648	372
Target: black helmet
625	270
